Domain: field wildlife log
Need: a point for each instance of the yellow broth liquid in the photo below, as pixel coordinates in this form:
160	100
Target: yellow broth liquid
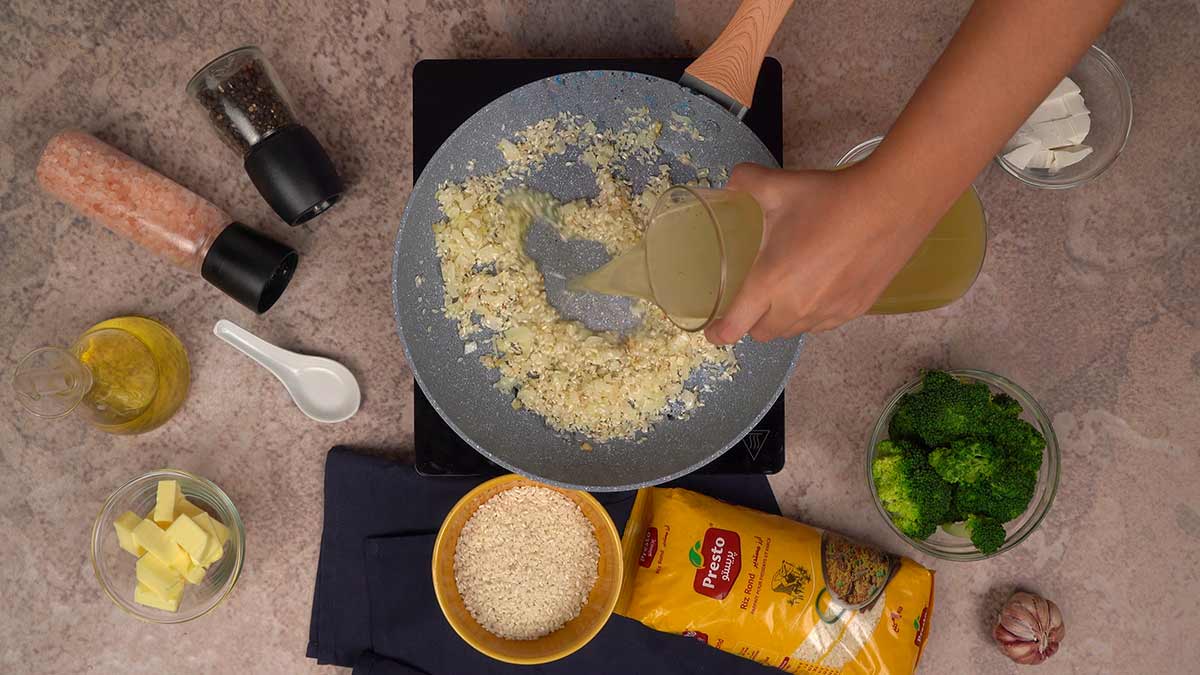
140	374
946	264
678	263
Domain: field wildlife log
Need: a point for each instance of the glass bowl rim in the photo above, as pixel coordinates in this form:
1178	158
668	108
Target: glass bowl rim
1124	92
1052	456
236	526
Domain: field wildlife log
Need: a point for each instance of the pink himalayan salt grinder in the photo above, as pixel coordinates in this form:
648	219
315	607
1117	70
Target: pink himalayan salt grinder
165	218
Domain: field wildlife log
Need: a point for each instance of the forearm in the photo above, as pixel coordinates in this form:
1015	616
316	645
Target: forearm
1004	59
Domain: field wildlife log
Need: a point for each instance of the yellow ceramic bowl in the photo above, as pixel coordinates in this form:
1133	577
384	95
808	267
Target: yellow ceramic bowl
578	631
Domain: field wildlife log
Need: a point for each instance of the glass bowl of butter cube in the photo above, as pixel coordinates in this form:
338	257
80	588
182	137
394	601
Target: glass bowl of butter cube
1078	130
168	546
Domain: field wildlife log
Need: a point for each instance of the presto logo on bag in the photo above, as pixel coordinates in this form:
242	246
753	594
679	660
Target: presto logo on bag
718	559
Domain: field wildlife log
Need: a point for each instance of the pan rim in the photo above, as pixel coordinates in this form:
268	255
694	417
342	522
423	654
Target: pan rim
420	380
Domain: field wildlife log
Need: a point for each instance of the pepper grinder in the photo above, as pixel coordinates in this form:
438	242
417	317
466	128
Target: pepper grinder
251	111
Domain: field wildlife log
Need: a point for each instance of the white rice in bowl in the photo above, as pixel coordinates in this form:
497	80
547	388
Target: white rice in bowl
525	562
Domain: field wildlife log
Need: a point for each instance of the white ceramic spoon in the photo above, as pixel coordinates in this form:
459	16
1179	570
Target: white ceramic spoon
322	388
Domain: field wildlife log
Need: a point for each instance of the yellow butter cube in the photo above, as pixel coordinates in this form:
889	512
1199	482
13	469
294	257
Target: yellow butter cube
221	530
149	536
214	527
144	595
164	504
158	576
189	536
214	552
124	525
219	534
187	508
195	574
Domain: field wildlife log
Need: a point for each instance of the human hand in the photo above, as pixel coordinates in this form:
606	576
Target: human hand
832	241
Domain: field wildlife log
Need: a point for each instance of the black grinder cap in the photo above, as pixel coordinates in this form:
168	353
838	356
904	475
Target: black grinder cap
294	174
249	266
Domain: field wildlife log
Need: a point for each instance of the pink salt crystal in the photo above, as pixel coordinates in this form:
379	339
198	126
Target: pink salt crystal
130	198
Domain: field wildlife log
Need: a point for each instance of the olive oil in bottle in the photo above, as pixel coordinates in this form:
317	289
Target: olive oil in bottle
126	375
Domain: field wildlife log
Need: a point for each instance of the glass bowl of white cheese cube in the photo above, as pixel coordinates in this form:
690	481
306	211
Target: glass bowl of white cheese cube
168	546
1078	130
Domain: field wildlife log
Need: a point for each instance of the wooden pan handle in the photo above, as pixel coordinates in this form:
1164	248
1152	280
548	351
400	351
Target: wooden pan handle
731	63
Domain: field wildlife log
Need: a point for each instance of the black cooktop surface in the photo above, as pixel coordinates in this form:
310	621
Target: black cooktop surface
445	94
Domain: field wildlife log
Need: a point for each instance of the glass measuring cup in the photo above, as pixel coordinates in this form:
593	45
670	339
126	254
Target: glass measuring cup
699	245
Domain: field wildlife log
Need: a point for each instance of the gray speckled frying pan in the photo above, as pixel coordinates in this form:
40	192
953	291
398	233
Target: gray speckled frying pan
460	387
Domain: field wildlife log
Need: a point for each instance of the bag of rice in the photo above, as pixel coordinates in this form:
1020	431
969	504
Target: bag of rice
770	589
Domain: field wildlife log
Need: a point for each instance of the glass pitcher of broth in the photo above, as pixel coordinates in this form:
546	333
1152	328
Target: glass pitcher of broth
947	263
126	375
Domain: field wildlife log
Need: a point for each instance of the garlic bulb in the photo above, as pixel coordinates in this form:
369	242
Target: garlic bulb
1029	629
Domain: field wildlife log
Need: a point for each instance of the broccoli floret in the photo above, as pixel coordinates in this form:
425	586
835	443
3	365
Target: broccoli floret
943	410
1019	439
1013	479
903	424
986	533
954	514
1006	405
911	491
890	447
966	461
1003	496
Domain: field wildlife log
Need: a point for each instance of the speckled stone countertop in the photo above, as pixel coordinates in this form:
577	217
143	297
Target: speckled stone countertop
1089	298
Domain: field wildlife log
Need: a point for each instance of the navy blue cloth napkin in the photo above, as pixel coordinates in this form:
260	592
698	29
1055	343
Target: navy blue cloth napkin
374	607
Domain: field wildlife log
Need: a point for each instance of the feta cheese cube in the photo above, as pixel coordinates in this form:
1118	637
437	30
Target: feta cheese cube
1073	155
1074	104
1024	136
1042	159
1055	133
1067	86
1050	109
1081	126
1020	157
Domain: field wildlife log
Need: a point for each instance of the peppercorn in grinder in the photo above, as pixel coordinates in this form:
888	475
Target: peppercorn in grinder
252	113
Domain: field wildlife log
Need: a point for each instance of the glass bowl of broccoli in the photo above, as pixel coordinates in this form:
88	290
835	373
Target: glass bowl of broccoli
963	464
